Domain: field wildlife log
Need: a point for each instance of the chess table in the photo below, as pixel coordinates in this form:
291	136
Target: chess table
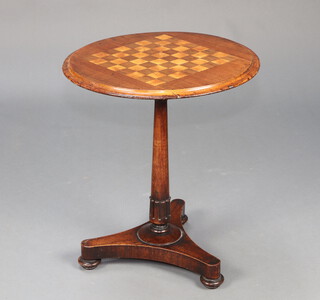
159	66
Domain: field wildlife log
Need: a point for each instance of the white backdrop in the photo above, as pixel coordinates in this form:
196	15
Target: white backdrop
75	164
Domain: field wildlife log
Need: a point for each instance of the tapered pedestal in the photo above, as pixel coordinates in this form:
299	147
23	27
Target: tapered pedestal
183	253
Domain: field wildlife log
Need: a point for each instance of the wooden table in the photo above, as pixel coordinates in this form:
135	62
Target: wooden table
159	66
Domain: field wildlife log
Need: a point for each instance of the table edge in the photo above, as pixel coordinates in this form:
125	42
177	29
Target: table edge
101	88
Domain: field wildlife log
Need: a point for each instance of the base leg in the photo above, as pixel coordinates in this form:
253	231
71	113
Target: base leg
184	253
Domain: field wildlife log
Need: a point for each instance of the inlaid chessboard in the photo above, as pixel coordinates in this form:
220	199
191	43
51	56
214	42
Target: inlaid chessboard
161	65
160	59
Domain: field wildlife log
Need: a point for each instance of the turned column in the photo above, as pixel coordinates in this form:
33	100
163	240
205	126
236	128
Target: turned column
159	231
160	197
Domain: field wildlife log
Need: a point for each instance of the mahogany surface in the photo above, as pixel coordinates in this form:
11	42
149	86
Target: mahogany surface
161	65
185	253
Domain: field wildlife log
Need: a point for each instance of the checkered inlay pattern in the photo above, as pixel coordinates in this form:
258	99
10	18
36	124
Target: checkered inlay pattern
160	59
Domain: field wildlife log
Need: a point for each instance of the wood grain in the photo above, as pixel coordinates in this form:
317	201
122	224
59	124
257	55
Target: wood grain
161	65
185	253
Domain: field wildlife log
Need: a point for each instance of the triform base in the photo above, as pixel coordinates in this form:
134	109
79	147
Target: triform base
182	252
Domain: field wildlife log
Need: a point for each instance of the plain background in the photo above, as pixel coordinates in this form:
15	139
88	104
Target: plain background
76	164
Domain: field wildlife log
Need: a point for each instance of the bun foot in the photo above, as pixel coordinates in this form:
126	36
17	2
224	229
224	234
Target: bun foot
184	219
88	264
211	283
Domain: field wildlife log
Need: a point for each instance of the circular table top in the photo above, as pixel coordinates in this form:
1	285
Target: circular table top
161	65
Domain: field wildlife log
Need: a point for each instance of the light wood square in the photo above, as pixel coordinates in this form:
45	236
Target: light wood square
116	68
156	75
178	75
157	68
139	61
98	61
220	54
199	61
140	54
178	61
135	74
120	54
178	68
199	68
100	54
143	43
200	55
180	55
163	37
160	55
220	61
159	61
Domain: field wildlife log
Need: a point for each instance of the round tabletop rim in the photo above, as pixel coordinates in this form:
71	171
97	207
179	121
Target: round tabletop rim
164	94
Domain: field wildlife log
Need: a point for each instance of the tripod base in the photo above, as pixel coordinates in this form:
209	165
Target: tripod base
182	252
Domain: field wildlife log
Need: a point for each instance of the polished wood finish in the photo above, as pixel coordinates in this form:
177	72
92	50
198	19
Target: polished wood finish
160	198
185	253
161	65
159	216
